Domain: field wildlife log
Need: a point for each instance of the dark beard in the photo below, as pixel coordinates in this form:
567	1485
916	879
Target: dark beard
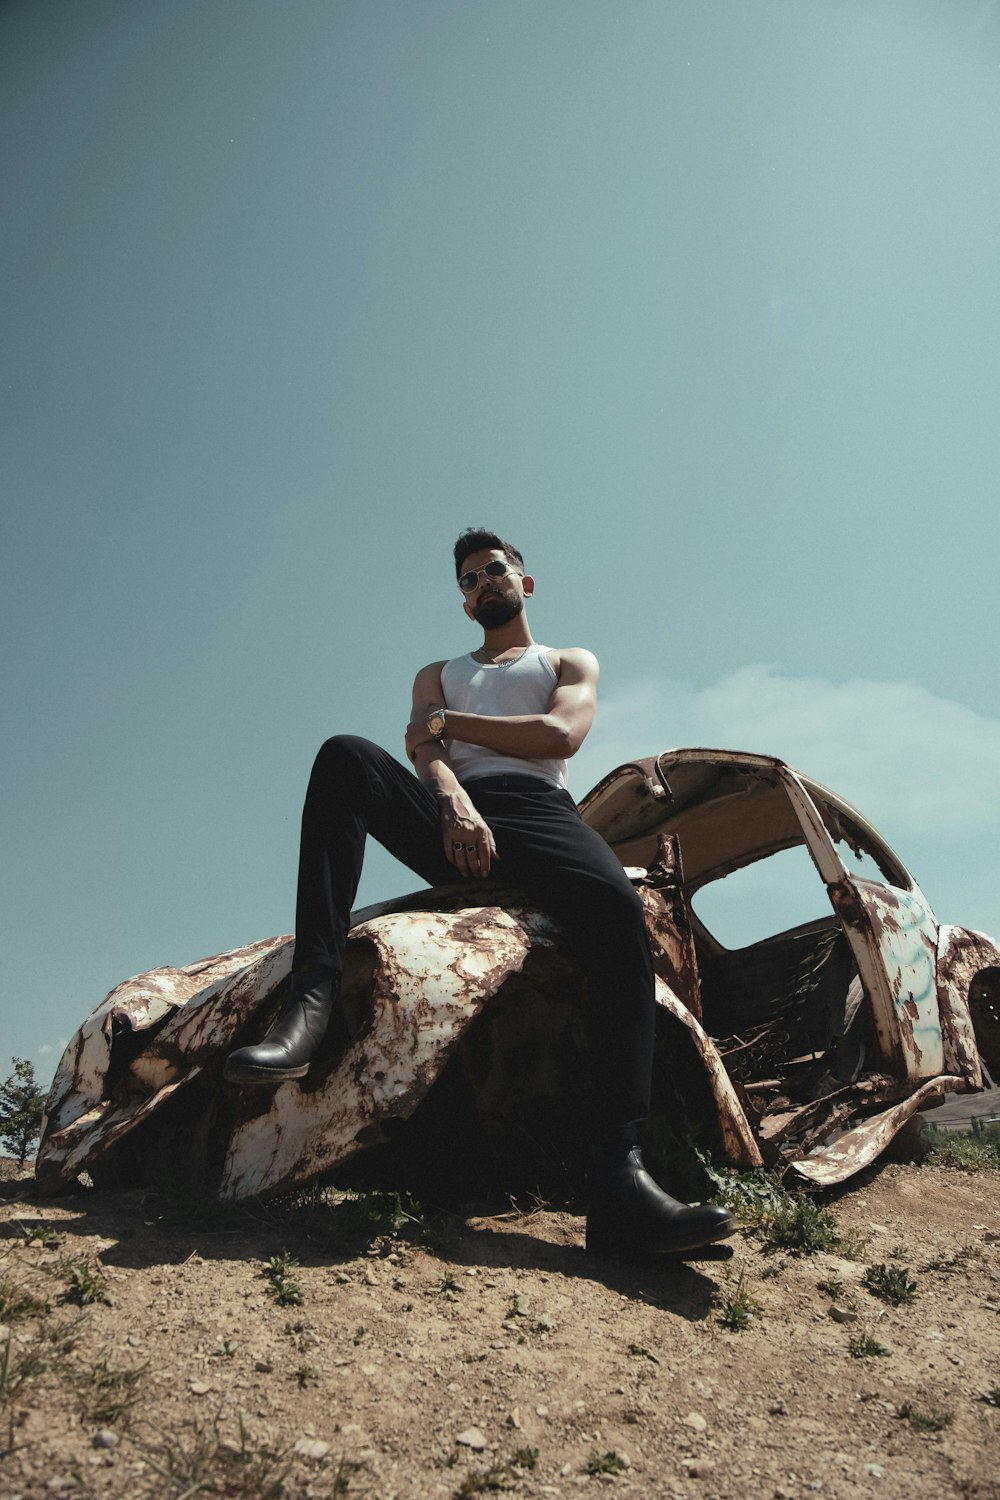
496	610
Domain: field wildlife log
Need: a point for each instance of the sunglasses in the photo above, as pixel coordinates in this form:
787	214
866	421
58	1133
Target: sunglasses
496	569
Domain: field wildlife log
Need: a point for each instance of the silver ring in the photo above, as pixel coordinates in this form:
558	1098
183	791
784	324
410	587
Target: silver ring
469	848
457	844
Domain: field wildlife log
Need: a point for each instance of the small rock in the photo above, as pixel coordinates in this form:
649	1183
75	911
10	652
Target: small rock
311	1448
695	1421
472	1438
698	1468
105	1439
842	1314
343	1278
514	1418
369	1275
991	1236
262	1366
778	1408
541	1411
874	1471
199	1387
133	1340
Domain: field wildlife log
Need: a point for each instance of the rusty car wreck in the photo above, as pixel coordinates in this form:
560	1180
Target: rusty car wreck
812	1046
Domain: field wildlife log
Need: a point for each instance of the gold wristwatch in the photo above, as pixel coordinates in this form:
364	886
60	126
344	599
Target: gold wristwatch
435	723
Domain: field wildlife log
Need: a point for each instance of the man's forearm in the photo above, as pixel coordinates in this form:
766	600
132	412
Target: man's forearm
530	736
431	763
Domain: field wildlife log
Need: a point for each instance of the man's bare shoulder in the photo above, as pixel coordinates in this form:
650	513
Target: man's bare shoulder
574	661
427	689
431	673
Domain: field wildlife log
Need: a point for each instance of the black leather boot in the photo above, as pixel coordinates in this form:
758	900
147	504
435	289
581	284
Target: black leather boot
290	1044
630	1215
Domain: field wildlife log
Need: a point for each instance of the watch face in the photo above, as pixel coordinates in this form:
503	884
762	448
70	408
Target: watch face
435	722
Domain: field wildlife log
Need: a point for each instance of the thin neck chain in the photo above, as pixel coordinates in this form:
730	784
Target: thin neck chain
491	661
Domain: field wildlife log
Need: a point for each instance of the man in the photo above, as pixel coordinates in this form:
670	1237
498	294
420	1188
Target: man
489	736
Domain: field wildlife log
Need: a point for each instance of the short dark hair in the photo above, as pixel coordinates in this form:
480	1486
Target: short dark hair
476	539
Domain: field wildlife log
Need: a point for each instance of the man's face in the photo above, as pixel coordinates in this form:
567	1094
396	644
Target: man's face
494	601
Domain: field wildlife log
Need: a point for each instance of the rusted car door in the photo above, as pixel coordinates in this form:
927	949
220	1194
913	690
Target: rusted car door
891	929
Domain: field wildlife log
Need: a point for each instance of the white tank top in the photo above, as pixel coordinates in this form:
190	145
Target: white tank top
525	686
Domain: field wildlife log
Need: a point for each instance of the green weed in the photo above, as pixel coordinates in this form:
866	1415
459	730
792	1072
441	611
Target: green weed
107	1392
864	1345
963	1153
448	1286
18	1366
751	1196
499	1476
286	1291
49	1350
956	1262
833	1286
853	1245
924	1421
362	1219
891	1283
739	1310
605	1463
16	1303
85	1283
196	1459
786	1220
802	1228
41	1234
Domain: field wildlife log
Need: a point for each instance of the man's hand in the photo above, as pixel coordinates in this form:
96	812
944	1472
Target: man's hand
468	839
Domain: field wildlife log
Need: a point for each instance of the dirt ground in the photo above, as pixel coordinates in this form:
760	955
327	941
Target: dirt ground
494	1355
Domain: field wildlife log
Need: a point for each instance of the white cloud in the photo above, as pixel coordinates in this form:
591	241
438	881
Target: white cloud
908	760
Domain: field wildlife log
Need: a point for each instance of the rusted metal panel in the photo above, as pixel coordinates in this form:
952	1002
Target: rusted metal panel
433	973
860	1145
669	926
968	978
818	841
905	932
188	1014
738	1140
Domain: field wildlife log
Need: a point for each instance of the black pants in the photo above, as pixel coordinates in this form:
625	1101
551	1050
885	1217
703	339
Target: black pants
543	846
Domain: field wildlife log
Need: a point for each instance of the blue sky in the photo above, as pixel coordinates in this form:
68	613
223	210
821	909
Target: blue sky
695	302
